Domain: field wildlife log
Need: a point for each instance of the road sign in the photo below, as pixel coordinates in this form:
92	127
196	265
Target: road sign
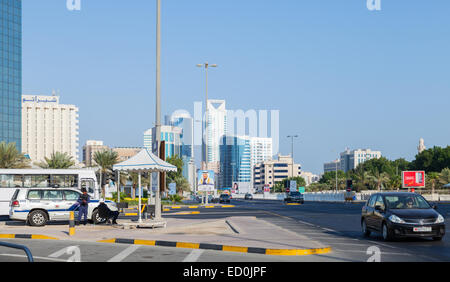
172	188
413	179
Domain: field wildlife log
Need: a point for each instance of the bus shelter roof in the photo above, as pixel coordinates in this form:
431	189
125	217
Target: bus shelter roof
145	161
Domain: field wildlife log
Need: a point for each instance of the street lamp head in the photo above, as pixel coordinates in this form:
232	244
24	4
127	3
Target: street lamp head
199	65
213	66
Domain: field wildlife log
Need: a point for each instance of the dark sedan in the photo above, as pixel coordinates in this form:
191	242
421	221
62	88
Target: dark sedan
294	197
401	214
248	196
224	198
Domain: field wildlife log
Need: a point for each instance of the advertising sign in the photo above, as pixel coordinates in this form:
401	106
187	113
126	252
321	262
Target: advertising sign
172	188
292	186
205	180
266	188
413	179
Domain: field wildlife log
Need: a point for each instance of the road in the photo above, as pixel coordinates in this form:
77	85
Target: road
333	224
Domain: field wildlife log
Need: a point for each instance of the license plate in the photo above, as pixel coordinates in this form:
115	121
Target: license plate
422	229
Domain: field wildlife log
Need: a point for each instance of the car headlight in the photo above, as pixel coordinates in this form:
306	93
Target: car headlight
395	219
440	219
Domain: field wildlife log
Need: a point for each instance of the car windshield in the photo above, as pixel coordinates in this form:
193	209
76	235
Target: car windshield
406	202
295	194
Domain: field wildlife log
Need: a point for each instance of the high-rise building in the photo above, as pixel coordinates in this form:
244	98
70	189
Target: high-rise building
171	135
351	159
217	125
148	137
89	150
260	151
332	166
11	71
48	127
235	162
274	171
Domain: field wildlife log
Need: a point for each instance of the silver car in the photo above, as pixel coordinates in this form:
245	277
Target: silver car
37	206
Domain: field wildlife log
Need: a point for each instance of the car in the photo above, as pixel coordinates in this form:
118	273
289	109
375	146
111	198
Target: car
294	197
248	196
37	206
401	214
224	198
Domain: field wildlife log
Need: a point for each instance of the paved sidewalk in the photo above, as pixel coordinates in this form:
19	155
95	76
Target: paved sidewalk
233	231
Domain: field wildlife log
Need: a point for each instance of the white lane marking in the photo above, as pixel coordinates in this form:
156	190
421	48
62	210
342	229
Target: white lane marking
34	257
125	253
193	256
384	253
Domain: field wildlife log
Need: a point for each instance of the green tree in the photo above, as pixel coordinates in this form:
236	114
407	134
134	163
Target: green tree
432	178
106	159
444	177
177	177
432	160
134	178
10	157
317	187
58	160
379	178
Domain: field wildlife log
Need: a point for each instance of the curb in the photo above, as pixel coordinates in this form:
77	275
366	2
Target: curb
224	248
27	236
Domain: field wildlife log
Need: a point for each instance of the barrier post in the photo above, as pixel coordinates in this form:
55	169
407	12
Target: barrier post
72	224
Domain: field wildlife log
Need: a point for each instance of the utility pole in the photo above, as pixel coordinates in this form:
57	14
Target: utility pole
158	104
292	152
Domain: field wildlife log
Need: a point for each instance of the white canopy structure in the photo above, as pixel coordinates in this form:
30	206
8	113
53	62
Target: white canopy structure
146	161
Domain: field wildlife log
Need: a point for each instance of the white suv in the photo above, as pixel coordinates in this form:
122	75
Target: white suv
36	206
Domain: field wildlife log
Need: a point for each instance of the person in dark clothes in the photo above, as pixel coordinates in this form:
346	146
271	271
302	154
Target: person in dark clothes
83	202
105	212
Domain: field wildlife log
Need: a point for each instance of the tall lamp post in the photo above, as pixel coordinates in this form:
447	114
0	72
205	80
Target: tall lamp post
158	104
206	66
292	151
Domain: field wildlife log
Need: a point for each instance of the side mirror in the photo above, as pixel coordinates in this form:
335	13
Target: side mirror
434	207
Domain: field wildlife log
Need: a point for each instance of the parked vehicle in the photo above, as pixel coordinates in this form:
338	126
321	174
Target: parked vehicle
224	198
37	206
294	197
401	214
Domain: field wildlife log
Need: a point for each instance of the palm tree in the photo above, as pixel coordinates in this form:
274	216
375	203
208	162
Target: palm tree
105	159
58	160
10	157
379	178
433	177
444	177
134	178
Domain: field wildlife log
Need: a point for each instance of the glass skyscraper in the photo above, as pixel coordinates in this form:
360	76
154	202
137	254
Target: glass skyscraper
11	71
235	163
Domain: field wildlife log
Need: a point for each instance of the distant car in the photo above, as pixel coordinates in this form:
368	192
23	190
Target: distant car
401	214
294	197
224	198
248	196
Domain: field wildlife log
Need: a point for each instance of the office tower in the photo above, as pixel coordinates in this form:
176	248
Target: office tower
48	127
216	129
148	139
351	159
270	172
260	151
125	153
235	163
11	71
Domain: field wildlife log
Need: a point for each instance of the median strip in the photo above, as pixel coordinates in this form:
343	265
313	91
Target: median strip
224	248
27	236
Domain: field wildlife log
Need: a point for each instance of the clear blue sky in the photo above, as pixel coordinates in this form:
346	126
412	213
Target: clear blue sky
340	74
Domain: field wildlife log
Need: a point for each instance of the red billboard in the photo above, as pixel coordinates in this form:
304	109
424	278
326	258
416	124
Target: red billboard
413	179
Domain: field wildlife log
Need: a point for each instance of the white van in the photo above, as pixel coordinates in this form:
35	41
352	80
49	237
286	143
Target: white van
12	179
37	206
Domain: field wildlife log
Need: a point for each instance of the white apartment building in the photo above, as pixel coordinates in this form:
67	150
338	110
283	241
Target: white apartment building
273	171
49	127
309	177
217	125
351	159
260	151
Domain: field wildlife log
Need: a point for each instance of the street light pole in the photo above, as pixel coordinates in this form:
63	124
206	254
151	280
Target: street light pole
158	104
292	152
206	66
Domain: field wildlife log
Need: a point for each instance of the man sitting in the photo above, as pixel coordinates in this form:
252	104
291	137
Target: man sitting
105	212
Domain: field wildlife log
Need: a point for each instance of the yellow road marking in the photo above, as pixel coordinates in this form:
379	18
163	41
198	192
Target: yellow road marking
235	249
188	245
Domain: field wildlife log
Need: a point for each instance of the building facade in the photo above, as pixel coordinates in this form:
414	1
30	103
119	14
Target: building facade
171	135
148	137
11	72
48	127
235	161
89	150
217	124
351	159
260	151
270	172
124	153
332	166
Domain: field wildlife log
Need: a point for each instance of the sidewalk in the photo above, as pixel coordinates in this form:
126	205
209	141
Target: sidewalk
233	231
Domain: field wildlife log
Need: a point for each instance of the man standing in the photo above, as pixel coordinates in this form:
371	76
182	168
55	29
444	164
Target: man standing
83	202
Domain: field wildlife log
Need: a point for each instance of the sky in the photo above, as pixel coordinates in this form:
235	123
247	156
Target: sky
340	74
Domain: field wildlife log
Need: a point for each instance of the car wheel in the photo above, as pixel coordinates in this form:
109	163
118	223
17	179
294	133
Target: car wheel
96	219
366	232
387	233
439	238
37	218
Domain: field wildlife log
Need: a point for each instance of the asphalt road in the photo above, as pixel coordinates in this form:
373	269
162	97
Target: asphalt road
333	224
